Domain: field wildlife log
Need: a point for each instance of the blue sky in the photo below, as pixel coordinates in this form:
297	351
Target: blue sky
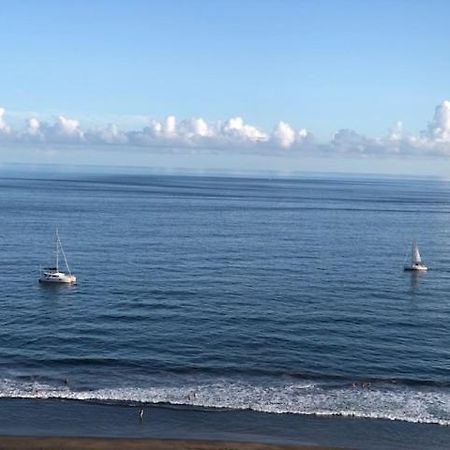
320	66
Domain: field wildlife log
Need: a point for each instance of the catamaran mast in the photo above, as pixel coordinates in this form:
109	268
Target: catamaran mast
57	252
64	255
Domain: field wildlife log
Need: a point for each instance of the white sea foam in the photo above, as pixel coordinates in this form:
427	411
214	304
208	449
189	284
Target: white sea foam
425	405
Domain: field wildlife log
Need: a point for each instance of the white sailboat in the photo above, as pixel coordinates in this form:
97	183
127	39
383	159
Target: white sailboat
53	274
416	261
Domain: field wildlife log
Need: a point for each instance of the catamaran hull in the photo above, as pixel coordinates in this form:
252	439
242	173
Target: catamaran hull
52	275
61	280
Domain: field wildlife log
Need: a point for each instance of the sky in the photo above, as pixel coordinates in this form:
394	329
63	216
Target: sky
348	86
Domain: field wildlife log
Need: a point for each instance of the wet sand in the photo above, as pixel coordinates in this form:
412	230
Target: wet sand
55	443
60	424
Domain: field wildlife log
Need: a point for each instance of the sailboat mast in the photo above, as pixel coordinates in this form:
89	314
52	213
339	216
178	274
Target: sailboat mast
57	252
65	260
64	256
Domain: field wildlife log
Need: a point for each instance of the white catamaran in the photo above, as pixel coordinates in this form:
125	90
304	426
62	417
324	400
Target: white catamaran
416	261
53	274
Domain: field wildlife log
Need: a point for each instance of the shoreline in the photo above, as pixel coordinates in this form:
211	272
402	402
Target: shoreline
80	443
76	424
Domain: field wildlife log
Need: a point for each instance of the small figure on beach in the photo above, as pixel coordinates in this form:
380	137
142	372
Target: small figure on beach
192	396
141	414
66	381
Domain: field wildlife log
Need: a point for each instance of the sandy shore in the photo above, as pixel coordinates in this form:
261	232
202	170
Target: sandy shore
54	443
87	426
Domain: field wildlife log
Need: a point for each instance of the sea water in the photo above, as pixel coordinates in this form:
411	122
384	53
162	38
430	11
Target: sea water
273	295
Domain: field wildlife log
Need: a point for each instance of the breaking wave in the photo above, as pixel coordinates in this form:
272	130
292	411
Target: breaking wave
378	400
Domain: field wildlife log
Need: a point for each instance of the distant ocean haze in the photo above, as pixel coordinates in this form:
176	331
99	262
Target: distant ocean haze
276	295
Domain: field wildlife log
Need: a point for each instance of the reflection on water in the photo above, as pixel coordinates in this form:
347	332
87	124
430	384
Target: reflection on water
415	280
55	290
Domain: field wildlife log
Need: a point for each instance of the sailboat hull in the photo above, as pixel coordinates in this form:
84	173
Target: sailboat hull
416	268
57	278
416	261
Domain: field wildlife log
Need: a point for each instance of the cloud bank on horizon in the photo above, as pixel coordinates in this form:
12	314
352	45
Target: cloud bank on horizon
232	134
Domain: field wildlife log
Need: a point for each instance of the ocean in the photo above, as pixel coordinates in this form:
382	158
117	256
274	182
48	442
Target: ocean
273	296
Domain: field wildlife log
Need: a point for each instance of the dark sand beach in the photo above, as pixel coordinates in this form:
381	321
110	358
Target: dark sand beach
54	443
56	424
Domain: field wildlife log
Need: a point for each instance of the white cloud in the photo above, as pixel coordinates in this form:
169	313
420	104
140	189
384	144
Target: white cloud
64	131
170	125
396	132
33	126
155	128
111	134
233	134
286	136
349	141
439	128
198	127
68	127
236	130
4	128
197	132
33	132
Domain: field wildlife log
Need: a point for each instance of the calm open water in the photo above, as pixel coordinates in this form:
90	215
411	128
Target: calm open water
274	295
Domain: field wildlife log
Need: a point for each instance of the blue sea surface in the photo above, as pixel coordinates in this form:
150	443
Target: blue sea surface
275	295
